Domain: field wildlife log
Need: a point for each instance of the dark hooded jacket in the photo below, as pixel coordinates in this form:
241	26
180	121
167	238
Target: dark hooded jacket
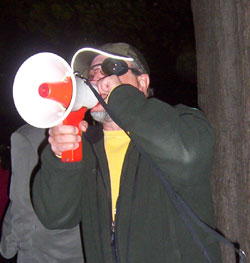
148	228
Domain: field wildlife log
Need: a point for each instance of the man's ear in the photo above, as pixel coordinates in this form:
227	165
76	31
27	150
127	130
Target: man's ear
143	81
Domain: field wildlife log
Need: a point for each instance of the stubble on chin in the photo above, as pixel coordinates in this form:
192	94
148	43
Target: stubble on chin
101	116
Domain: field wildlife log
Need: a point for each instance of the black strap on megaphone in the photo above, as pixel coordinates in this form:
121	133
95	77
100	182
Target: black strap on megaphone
185	212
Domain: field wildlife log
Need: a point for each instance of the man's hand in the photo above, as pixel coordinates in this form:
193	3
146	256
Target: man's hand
107	84
65	137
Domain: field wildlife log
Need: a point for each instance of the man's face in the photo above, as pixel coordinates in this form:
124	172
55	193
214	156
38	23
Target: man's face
95	74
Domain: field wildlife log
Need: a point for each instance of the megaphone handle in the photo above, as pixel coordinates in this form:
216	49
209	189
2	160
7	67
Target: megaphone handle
74	119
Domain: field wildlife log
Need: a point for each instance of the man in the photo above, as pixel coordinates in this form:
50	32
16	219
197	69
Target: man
22	231
125	210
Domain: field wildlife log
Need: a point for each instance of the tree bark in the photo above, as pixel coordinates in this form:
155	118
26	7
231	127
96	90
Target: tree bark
222	32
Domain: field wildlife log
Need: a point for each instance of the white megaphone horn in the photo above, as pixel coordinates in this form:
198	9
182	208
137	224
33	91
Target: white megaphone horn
46	92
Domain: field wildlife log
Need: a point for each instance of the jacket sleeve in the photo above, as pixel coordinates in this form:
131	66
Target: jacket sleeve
178	139
56	192
20	212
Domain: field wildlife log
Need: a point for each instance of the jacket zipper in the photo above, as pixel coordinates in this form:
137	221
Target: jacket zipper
113	240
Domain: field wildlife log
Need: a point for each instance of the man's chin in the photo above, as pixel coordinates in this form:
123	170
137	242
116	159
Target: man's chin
101	116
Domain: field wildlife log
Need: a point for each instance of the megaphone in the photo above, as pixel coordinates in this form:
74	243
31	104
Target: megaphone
46	92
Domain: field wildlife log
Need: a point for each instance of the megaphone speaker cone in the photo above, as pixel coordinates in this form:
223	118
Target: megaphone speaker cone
33	108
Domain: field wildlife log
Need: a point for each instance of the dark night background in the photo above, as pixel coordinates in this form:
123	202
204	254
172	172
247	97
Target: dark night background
162	30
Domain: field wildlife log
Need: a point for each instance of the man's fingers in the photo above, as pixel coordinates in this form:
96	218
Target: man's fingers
63	138
63	129
106	85
83	126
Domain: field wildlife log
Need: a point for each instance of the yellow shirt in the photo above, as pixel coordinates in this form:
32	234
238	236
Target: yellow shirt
116	145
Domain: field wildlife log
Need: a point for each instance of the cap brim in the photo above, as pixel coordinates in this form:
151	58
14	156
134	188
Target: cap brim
84	56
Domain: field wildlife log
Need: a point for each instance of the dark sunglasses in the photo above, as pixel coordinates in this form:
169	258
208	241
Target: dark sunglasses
116	67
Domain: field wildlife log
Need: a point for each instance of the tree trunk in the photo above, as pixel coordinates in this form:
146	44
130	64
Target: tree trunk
222	31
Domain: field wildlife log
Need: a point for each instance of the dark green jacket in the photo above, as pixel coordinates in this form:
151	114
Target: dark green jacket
148	228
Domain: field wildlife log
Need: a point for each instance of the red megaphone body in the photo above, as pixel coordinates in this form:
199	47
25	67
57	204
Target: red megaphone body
62	92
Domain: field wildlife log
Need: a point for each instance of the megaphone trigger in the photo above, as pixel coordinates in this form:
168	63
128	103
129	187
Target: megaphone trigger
74	119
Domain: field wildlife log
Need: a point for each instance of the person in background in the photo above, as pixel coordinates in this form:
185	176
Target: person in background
22	232
4	179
